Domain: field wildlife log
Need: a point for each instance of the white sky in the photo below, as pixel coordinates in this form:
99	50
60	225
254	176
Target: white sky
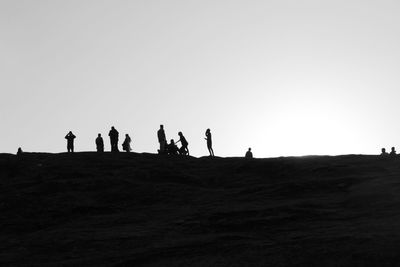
285	77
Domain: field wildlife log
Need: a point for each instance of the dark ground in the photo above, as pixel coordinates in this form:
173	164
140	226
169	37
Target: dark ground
89	209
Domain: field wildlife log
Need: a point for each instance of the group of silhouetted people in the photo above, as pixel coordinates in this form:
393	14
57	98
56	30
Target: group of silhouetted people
171	148
166	148
114	136
392	152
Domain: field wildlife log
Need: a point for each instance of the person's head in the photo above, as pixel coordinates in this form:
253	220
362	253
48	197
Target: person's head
99	135
126	135
112	127
70	132
393	149
249	148
161	126
208	130
180	133
172	141
383	150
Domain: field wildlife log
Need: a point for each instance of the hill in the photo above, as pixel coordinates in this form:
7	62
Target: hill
89	209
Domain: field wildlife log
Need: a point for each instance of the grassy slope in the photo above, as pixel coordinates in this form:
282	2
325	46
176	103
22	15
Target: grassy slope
145	210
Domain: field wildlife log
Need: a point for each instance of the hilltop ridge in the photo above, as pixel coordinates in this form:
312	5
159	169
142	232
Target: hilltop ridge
129	209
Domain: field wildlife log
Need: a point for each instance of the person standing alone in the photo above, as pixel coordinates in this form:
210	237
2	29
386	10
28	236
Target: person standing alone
209	142
70	141
161	139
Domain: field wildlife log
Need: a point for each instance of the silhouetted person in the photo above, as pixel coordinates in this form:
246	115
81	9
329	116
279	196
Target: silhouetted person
126	145
184	150
161	139
70	141
99	143
113	134
209	142
393	152
384	153
172	149
249	154
19	152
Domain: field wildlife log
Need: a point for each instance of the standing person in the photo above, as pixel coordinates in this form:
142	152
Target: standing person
126	145
183	150
249	154
113	134
99	143
209	142
161	139
70	141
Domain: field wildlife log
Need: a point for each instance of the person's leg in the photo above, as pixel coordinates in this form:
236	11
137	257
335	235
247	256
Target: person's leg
162	147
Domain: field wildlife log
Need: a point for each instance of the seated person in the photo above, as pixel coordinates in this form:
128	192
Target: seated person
249	154
384	153
172	148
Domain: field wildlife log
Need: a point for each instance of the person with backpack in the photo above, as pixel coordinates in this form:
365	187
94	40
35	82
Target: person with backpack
126	145
99	143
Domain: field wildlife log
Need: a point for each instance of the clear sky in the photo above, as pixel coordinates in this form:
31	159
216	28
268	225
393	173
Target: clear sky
285	77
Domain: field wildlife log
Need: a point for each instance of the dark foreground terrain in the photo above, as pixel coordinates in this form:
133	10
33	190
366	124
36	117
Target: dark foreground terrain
90	209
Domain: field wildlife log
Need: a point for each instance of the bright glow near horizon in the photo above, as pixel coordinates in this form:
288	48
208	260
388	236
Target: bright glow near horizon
283	77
